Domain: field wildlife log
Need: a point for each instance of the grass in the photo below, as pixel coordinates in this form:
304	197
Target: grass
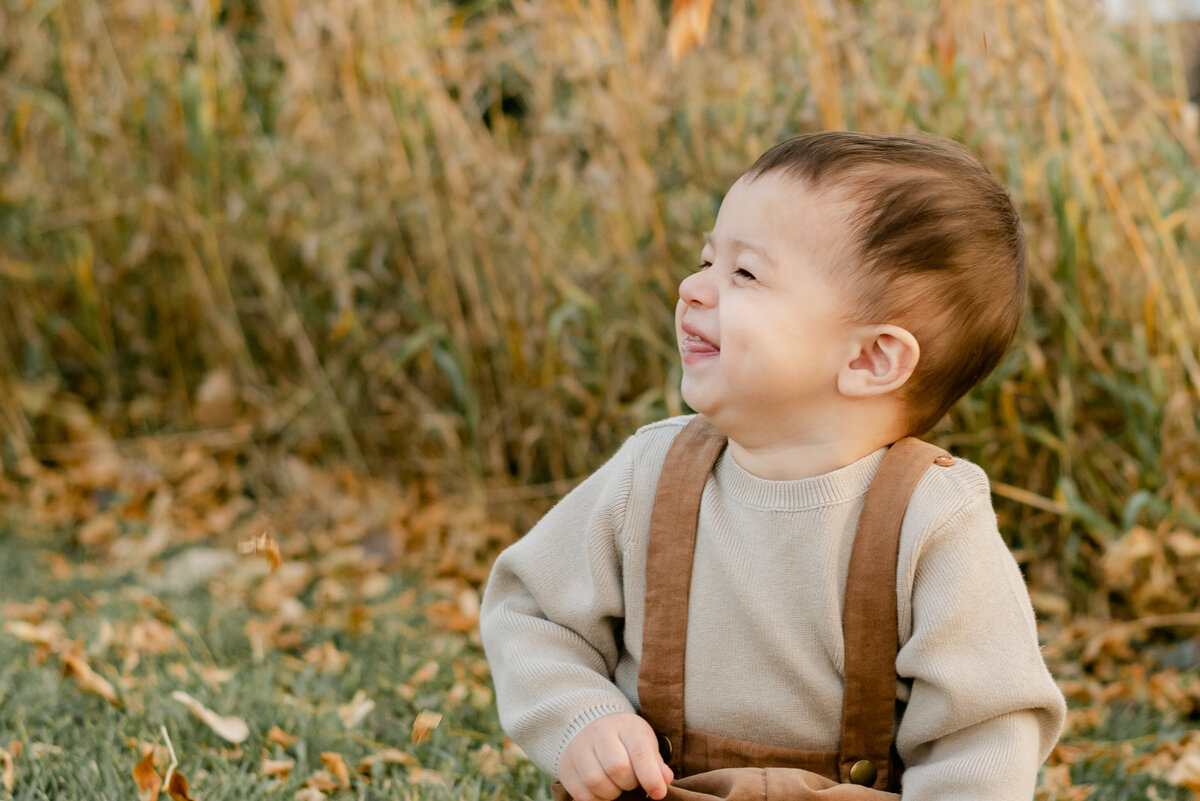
77	746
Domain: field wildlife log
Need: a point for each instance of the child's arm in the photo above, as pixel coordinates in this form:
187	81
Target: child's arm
552	619
984	711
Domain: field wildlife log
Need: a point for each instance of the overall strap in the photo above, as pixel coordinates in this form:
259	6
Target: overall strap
671	549
869	617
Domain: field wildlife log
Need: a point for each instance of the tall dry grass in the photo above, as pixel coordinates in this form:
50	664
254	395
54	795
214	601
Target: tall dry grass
442	239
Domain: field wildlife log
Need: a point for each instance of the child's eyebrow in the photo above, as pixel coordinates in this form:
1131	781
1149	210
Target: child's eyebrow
742	244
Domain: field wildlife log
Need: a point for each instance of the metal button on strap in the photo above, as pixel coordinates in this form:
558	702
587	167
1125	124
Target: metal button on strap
664	747
944	460
863	773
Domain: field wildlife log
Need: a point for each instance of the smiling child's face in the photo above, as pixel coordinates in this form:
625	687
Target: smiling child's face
762	325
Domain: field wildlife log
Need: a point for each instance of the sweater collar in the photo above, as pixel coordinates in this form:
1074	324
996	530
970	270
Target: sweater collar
837	486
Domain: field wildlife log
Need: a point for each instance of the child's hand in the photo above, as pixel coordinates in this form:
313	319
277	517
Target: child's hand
614	753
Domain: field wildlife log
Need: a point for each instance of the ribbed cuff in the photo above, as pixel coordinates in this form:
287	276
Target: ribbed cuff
579	723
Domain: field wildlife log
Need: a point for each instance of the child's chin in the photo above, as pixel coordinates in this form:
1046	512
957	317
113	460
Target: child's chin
697	401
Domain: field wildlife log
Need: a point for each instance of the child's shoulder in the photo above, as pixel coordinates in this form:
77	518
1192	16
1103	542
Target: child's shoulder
667	428
960	476
648	446
944	494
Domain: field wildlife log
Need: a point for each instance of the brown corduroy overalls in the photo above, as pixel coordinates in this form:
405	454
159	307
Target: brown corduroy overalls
708	767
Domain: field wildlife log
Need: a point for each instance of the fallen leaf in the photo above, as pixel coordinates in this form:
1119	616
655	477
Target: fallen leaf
487	759
8	777
423	776
327	658
74	665
50	633
231	728
356	711
148	781
309	794
278	735
388	756
1186	772
177	788
266	545
322	780
425	723
334	763
151	636
279	768
426	672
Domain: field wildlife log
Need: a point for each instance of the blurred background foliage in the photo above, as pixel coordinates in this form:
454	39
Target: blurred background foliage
442	240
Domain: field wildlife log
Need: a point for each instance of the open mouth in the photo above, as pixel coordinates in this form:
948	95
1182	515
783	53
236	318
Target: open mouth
694	344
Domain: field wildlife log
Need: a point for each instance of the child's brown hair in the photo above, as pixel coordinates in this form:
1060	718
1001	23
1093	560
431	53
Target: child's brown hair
938	250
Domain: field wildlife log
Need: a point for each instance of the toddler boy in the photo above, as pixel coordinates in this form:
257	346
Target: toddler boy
853	287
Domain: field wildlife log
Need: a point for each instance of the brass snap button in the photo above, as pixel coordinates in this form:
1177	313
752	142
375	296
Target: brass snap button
664	747
944	460
863	773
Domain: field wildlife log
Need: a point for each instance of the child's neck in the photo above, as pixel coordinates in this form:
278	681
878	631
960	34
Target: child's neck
782	453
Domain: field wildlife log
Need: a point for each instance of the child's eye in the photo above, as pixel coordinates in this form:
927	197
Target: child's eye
740	273
704	265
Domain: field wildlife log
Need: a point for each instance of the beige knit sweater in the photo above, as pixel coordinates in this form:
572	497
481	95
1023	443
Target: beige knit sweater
562	620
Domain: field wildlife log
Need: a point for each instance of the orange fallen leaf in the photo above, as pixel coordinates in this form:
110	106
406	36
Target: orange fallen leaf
148	781
322	780
425	723
266	545
688	26
50	633
487	759
388	756
280	768
334	763
8	777
423	776
231	728
448	614
177	788
278	735
75	665
426	672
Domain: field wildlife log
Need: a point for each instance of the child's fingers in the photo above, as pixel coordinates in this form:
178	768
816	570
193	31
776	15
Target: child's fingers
586	780
652	774
616	761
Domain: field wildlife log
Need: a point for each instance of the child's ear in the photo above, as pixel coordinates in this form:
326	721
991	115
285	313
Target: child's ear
882	358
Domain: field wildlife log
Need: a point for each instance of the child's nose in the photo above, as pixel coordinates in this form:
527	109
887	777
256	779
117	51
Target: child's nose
697	289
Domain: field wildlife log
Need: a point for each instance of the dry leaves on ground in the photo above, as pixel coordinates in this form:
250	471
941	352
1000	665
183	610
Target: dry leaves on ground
77	667
149	783
8	767
424	724
231	728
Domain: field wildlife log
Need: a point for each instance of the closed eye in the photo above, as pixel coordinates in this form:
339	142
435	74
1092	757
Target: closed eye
741	273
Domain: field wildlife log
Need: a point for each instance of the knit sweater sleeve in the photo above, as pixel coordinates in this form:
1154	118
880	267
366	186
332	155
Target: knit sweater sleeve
552	613
983	712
